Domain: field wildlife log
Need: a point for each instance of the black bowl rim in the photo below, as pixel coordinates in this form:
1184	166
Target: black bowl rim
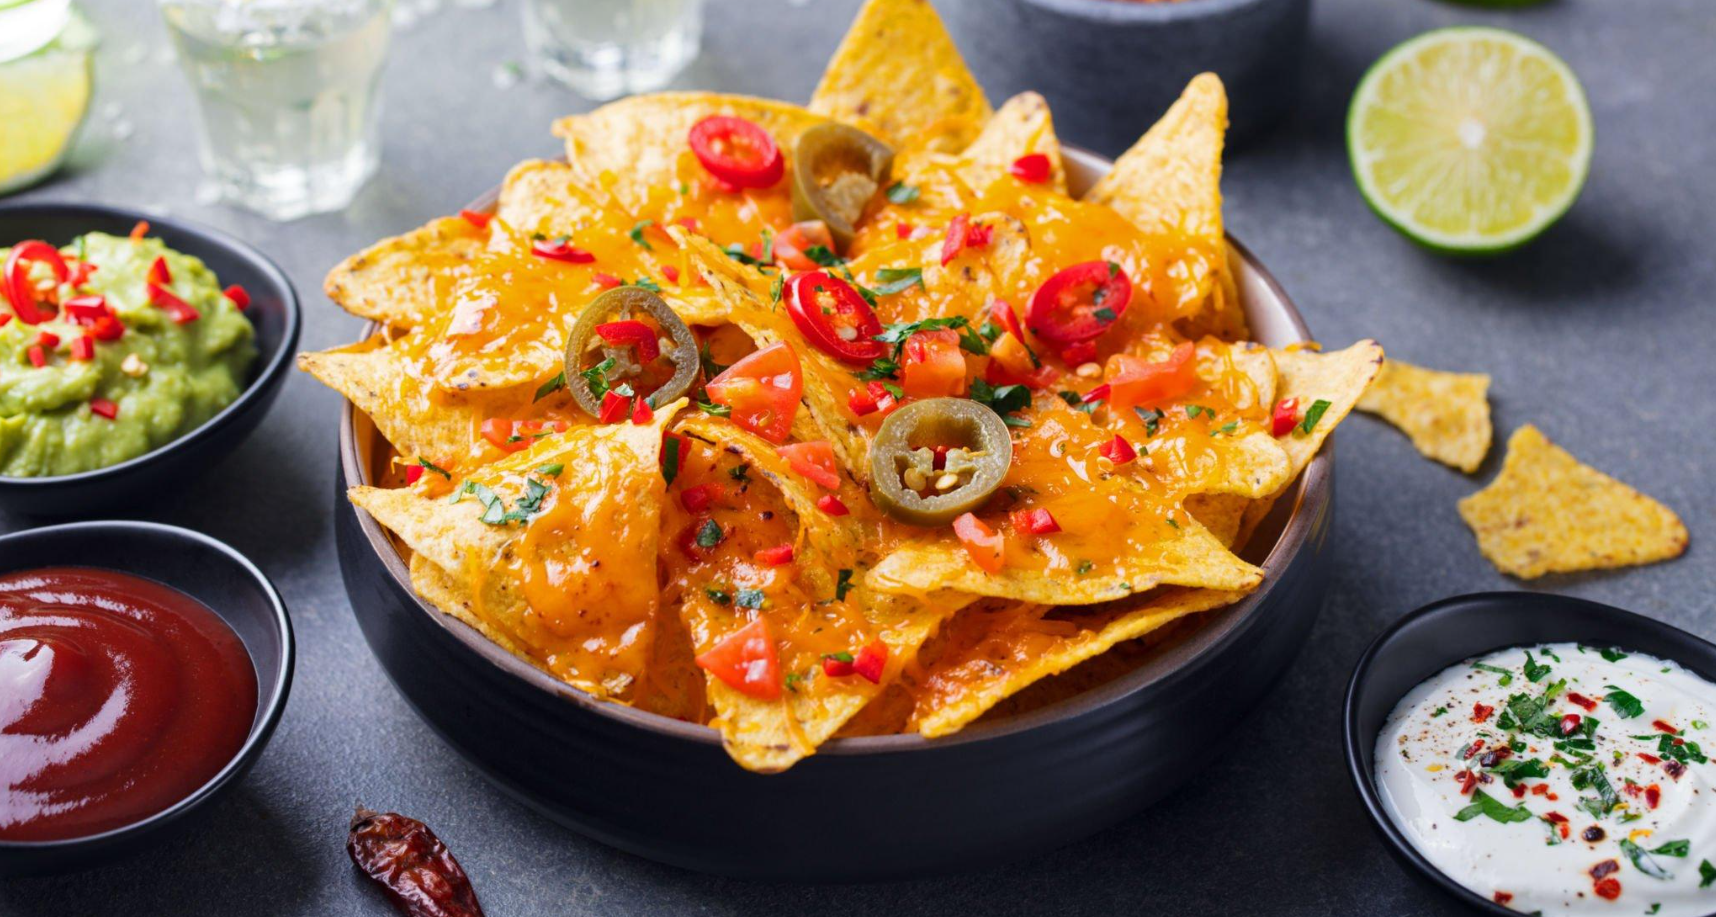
1364	781
1119	13
274	369
1314	490
273	704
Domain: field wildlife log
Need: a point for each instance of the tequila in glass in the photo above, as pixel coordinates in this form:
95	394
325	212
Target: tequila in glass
288	92
604	49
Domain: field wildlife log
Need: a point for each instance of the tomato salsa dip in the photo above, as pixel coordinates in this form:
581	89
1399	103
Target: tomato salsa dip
118	698
1560	779
111	347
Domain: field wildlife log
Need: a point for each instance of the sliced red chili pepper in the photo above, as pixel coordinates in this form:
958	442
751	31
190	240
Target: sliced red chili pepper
499	432
1079	303
38	356
985	546
1582	700
48	339
107	328
1661	726
831	505
737	151
747	661
871	661
240	298
103	408
1031	168
1079	353
642	413
606	281
903	230
1481	712
20	292
1118	450
872	397
697	500
813	461
957	238
837	665
1570	724
775	556
1649	758
1285	417
1100	393
614	407
1608	889
477	218
159	273
560	250
671	273
139	230
83	348
178	310
1468	781
1472	749
634	333
1653	795
1035	521
833	317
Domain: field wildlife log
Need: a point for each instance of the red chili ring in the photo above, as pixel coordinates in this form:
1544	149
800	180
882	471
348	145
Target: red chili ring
18	290
1084	290
737	152
815	299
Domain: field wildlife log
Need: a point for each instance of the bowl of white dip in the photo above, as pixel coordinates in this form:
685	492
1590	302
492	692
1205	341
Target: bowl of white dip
1536	753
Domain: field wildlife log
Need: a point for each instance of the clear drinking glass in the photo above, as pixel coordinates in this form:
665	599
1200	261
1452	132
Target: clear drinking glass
604	49
288	92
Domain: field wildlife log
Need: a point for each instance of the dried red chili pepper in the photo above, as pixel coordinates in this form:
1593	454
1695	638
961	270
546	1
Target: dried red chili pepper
414	869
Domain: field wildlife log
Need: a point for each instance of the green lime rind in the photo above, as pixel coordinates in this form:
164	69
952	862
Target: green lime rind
1472	244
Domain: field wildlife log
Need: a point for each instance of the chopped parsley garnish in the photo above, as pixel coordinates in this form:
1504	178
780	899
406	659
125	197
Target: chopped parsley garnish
1506	676
880	368
841	656
824	256
1643	861
495	511
1003	400
431	466
1085	566
1438	712
709	534
902	193
1624	704
890	280
718	596
1193	410
737	253
1674	848
551	386
1612	654
711	369
644	283
792	680
1151	417
748	598
1076	402
637	231
1226	429
549	470
843	585
775	287
1706	874
713	409
1485	804
1534	671
1104	314
1593	777
669	459
1513	770
597	377
740	473
1313	414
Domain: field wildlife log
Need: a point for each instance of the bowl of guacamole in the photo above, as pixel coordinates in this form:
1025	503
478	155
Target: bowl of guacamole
134	351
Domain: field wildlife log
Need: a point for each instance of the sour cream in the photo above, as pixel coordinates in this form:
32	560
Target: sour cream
1495	772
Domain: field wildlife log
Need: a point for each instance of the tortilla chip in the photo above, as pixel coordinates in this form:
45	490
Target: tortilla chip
1169	185
1221	514
402	281
1548	513
1224	317
897	70
1021	126
539	196
608	483
992	654
378	380
631	148
1446	415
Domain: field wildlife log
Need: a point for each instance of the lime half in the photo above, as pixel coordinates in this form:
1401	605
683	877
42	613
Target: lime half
1469	140
43	98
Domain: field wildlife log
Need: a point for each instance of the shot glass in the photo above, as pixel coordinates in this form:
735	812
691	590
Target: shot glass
604	49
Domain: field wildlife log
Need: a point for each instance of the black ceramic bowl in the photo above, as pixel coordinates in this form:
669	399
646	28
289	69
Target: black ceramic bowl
1000	789
273	311
208	571
1443	633
1109	68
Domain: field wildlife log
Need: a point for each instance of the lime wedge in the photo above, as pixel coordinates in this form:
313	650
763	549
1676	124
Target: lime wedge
48	93
1469	140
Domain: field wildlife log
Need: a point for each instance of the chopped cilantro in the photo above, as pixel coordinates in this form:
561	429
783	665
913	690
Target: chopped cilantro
792	680
1085	566
842	585
1624	704
1193	410
1485	804
740	473
1643	861
718	596
1003	400
1151	417
824	256
890	280
1534	672
711	369
597	377
902	193
1313	414
549	470
431	466
709	534
1438	712
749	598
1706	874
669	459
1612	654
880	368
717	410
637	233
1674	848
551	386
775	287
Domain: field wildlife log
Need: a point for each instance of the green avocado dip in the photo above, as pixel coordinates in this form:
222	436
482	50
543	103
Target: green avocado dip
109	348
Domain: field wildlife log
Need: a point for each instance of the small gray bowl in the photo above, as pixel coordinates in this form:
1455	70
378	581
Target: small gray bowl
1109	68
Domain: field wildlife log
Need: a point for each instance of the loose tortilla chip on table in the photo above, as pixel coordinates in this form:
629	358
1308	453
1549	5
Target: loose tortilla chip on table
1548	513
1169	185
1446	415
553	547
898	70
1021	126
992	653
403	281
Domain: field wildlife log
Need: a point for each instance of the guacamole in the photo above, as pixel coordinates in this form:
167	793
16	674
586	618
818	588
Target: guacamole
136	346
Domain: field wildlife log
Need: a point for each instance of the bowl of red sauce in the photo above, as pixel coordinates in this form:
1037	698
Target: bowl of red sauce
142	669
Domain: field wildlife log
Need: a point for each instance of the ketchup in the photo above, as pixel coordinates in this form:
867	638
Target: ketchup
118	698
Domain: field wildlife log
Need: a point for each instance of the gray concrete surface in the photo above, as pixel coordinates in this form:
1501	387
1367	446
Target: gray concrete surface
1600	333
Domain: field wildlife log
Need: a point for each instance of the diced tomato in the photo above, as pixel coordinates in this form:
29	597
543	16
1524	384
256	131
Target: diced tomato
696	500
606	281
1134	381
240	299
1079	303
762	389
747	661
737	151
476	218
961	235
983	543
1285	417
931	365
158	272
1078	353
1118	450
690	223
1481	712
5	317
792	244
413	473
833	317
813	461
38	356
831	505
775	556
871	398
499	432
1031	168
1035	521
103	408
1010	364
614	407
642	413
834	666
83	348
560	250
20	290
670	272
903	230
48	339
633	333
871	661
178	310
